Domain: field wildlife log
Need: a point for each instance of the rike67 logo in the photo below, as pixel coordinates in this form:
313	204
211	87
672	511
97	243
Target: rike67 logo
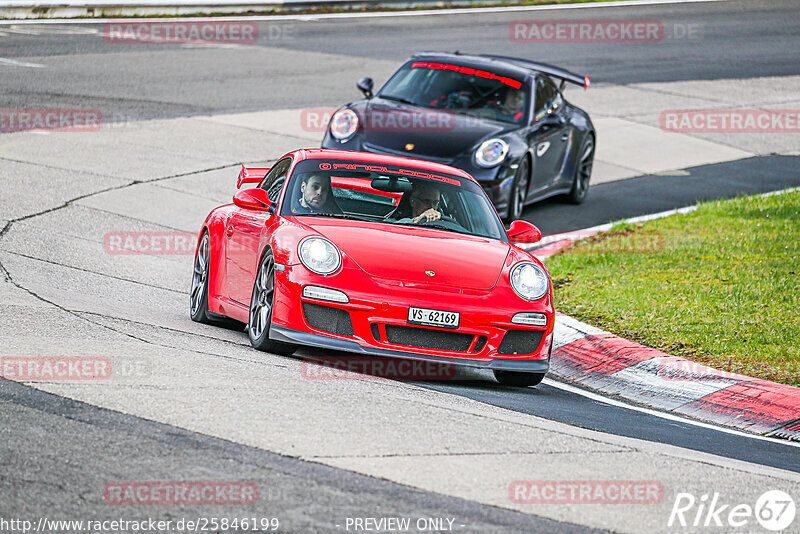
774	510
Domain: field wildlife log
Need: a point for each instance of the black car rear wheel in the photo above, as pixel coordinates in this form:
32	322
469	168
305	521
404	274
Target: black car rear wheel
518	379
519	191
583	171
261	302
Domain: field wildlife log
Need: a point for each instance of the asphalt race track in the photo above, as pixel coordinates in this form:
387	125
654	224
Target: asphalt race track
198	403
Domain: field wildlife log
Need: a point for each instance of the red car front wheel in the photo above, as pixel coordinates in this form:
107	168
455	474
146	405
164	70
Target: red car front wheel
261	302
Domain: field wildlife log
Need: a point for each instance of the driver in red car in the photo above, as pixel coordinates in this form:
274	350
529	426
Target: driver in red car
315	196
422	204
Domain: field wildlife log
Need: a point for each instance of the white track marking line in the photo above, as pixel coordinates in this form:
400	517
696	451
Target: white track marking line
668	416
308	18
51	31
781	192
14	63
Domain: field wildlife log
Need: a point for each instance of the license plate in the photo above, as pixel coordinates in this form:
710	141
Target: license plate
424	316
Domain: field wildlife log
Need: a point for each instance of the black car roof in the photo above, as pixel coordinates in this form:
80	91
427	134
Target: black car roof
502	67
505	65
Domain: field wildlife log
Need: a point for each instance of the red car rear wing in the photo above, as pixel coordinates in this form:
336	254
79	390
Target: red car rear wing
251	175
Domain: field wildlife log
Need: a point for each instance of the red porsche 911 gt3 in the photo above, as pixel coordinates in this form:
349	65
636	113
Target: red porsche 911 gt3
377	255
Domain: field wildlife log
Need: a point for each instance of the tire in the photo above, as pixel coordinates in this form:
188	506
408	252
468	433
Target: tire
583	172
261	301
198	293
518	379
519	191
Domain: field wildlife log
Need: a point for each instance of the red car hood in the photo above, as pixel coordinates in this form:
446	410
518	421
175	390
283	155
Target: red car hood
406	253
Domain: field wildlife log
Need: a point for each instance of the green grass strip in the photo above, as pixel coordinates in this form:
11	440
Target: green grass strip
720	285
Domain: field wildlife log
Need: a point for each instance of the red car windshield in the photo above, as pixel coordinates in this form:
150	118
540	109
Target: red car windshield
392	195
460	89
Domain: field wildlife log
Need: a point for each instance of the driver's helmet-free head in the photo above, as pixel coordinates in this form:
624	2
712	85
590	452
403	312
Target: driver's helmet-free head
404	209
328	206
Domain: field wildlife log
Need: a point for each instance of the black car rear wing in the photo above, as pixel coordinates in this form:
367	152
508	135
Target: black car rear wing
551	70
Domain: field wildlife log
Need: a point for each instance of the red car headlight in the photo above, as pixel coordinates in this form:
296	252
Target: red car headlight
319	255
529	281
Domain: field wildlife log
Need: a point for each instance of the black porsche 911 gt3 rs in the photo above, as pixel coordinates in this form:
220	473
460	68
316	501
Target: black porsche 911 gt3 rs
502	120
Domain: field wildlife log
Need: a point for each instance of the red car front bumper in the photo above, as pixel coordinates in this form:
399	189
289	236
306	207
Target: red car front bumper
375	320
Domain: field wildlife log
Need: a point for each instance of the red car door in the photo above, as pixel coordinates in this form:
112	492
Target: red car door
242	234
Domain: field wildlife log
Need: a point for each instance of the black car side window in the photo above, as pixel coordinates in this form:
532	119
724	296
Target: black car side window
547	98
556	101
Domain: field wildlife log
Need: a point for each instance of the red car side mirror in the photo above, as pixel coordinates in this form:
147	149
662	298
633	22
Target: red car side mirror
252	199
524	232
